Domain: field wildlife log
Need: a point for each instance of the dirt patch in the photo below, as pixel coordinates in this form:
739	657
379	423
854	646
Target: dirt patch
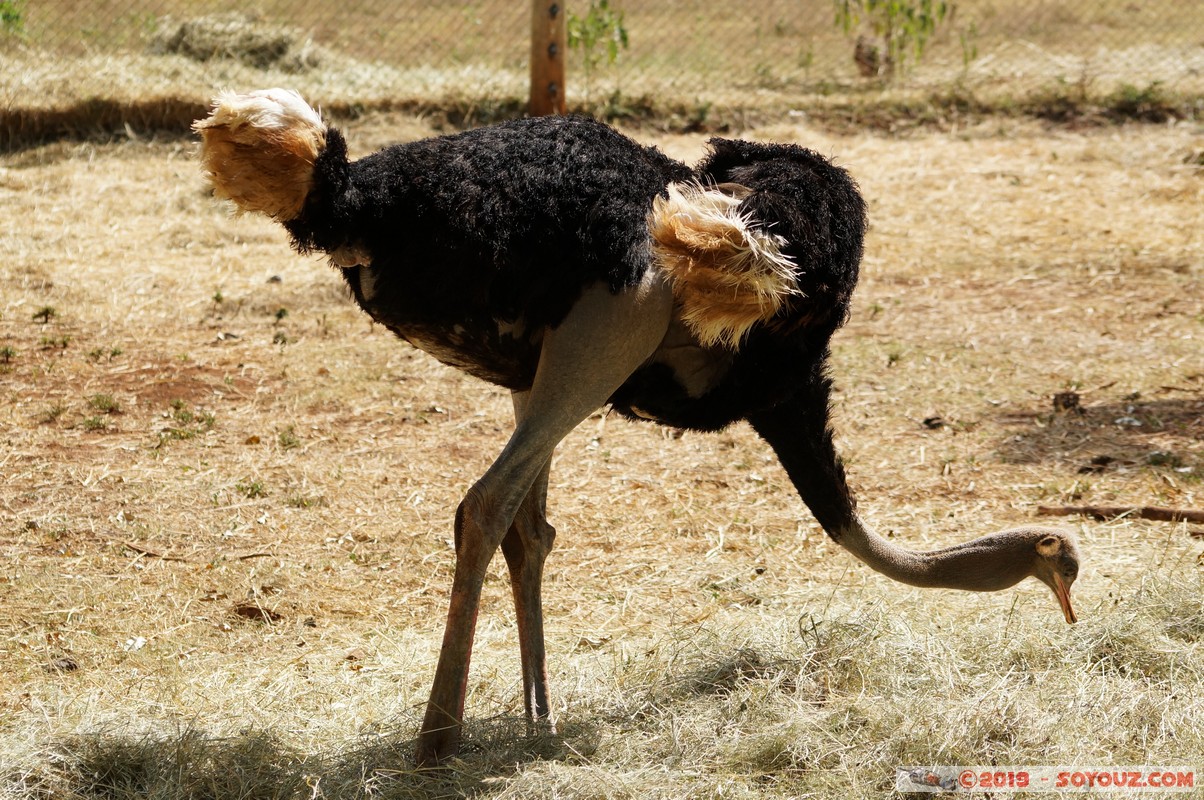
161	384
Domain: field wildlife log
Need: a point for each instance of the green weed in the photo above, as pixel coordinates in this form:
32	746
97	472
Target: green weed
288	439
12	18
98	353
600	35
188	423
55	342
52	413
252	490
104	403
304	501
904	26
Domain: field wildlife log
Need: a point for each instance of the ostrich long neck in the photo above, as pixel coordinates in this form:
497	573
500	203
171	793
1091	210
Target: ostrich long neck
897	563
989	563
799	434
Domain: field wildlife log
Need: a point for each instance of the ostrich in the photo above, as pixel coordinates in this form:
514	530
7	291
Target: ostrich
563	261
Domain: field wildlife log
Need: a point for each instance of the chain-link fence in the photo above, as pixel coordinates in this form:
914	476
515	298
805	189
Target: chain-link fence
63	53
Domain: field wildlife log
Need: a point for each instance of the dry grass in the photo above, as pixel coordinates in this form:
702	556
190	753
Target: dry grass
104	67
227	578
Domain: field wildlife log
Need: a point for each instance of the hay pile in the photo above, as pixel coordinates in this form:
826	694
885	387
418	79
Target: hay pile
242	37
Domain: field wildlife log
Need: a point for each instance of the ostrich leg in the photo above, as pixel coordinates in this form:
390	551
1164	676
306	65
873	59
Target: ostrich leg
526	547
583	361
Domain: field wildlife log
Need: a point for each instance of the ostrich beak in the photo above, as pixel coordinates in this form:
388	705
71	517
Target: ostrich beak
1062	591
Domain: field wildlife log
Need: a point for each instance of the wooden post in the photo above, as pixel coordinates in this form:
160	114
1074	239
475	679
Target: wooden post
547	58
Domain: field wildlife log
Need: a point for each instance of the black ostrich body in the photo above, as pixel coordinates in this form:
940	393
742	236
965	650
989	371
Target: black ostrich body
472	245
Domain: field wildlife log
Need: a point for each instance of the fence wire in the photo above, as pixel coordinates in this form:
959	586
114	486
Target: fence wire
63	52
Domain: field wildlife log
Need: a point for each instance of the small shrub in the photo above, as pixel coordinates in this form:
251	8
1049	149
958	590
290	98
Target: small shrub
903	26
252	490
104	403
12	18
288	438
97	353
1164	458
304	501
180	412
189	423
1146	104
52	413
55	342
45	314
599	35
968	38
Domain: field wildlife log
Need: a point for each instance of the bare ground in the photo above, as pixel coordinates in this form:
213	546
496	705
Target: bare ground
226	501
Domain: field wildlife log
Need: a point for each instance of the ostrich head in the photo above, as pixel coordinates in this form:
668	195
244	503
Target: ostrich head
1057	565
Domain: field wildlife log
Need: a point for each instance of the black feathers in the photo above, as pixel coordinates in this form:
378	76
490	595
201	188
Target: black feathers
479	241
509	221
804	198
816	207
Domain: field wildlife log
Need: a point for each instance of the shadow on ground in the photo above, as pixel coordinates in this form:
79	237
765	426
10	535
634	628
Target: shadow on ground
1094	438
262	765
